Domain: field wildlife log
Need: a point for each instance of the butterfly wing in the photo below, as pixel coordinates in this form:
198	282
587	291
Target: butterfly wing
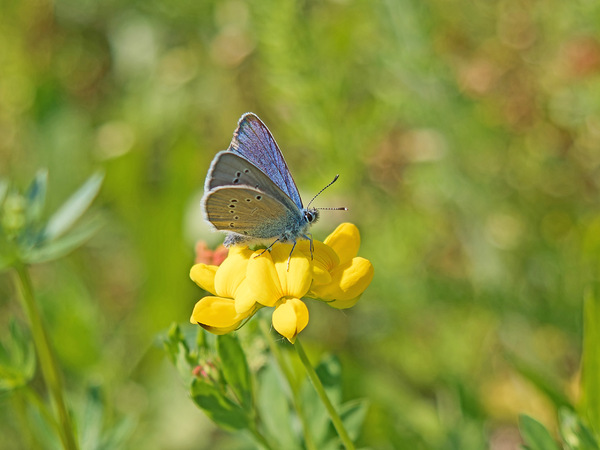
248	212
230	169
253	141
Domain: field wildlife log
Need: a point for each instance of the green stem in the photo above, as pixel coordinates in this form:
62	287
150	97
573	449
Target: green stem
314	378
289	376
48	364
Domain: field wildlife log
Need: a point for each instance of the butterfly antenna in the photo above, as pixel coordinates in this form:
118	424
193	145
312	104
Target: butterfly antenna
339	208
319	193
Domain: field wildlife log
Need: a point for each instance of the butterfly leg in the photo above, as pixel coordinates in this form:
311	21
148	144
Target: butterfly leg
268	248
290	257
312	246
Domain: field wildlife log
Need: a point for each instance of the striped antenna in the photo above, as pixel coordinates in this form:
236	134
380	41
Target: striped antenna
319	193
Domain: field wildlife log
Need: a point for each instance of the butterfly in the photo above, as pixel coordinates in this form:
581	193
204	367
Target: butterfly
250	194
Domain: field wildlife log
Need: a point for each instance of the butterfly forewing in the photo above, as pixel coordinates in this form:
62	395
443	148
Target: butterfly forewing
246	211
230	169
253	141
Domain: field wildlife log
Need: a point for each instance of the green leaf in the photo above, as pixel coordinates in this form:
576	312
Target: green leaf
274	407
329	371
178	351
17	359
353	414
36	196
235	369
56	249
174	342
95	428
535	435
217	406
590	359
574	433
73	208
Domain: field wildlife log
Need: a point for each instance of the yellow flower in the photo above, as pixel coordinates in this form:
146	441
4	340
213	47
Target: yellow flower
270	282
349	275
218	313
280	278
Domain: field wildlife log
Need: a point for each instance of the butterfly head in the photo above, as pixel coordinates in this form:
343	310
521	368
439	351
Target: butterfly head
311	215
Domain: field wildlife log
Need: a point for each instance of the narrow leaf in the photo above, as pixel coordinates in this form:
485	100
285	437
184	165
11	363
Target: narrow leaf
174	342
36	196
535	435
329	372
353	415
217	407
73	208
56	249
235	368
274	408
17	359
590	381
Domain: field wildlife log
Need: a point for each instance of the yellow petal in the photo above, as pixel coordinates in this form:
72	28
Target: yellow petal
204	276
293	269
232	271
290	318
245	298
344	304
323	259
320	275
217	313
263	281
349	280
345	240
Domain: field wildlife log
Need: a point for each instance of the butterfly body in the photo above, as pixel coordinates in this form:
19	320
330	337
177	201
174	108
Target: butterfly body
250	193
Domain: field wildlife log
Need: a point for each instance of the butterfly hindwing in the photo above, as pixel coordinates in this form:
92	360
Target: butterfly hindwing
253	141
248	212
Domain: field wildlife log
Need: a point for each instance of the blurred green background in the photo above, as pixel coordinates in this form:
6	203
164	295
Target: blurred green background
466	136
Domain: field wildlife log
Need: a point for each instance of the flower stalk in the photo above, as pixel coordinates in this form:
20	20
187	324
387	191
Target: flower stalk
48	364
316	382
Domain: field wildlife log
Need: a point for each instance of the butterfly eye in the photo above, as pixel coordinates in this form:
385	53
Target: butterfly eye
309	217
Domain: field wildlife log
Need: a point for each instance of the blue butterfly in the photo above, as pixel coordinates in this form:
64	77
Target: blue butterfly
250	193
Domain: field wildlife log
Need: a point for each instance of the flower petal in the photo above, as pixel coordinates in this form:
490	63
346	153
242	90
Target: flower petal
345	240
232	272
293	269
263	281
324	260
344	304
349	280
290	318
245	297
217	313
204	276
